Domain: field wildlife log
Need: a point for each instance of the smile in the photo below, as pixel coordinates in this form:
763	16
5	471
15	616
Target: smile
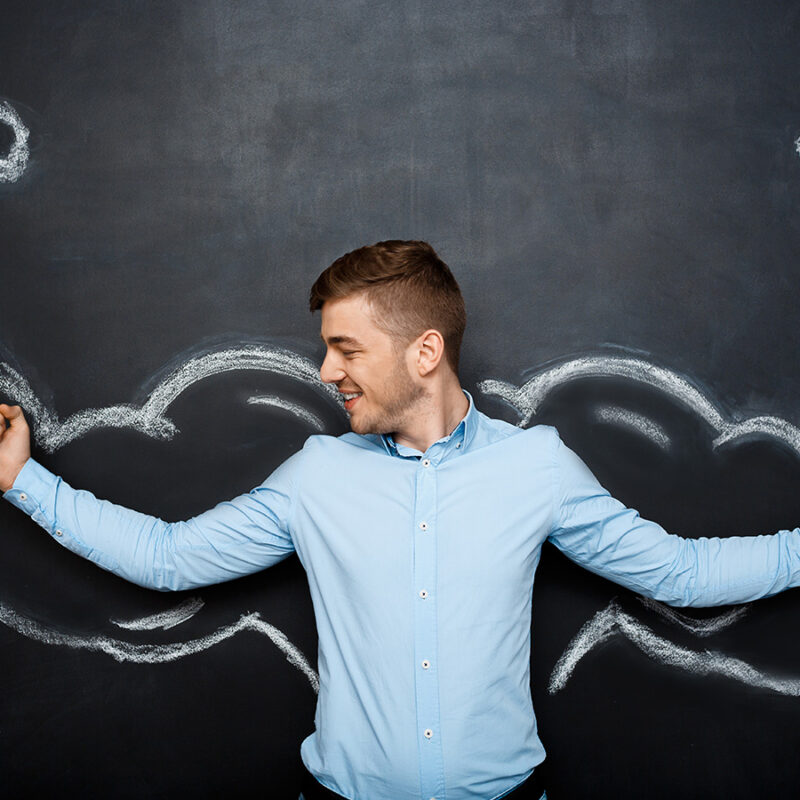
350	399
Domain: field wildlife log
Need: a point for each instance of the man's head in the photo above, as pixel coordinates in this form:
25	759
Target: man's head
408	287
392	320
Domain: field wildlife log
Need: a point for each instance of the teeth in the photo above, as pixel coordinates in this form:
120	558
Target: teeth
351	396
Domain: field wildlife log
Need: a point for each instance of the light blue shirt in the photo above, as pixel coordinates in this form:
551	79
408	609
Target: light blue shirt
421	570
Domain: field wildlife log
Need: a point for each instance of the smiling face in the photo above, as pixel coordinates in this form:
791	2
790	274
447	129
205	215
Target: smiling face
369	367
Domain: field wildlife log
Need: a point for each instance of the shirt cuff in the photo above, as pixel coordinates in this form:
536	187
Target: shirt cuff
33	490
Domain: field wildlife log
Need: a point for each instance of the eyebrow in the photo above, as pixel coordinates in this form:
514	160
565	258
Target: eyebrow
341	340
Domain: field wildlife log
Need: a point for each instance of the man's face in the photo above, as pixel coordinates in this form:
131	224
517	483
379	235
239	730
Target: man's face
368	366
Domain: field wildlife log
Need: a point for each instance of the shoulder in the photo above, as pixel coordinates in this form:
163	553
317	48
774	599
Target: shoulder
490	431
322	446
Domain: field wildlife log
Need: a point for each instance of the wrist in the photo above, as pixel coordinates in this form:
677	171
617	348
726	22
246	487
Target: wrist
9	476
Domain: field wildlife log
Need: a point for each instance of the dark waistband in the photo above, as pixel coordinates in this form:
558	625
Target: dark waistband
532	788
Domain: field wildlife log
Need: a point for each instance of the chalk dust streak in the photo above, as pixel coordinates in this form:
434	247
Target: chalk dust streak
159	653
150	418
14	163
612	621
165	619
527	399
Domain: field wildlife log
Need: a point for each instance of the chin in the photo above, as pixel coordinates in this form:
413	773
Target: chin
364	426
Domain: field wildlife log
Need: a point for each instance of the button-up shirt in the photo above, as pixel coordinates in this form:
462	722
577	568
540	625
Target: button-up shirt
420	568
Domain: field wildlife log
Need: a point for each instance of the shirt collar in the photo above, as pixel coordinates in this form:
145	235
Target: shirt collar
456	441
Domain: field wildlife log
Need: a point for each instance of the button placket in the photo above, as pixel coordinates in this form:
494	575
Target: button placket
425	624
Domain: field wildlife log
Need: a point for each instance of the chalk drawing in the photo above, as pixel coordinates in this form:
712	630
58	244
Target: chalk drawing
271	400
159	653
527	399
15	161
165	619
612	621
797	145
614	415
699	627
150	418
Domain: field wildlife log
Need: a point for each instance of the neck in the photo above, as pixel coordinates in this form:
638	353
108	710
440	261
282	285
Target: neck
436	416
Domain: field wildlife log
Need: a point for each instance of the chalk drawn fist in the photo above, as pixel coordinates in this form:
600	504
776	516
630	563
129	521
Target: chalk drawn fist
15	444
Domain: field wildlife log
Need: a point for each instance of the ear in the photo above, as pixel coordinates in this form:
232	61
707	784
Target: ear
429	349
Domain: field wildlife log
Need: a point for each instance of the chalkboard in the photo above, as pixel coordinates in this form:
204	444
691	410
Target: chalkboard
616	185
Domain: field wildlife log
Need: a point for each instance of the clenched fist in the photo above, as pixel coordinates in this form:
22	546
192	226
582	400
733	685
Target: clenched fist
15	444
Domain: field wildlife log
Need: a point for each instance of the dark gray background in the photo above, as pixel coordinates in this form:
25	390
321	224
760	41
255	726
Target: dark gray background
611	177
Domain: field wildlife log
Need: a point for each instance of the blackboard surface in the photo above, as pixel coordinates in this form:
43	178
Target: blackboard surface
616	185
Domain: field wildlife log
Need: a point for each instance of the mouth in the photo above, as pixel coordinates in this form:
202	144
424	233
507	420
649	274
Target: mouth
350	399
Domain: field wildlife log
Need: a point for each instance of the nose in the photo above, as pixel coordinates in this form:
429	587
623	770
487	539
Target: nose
331	370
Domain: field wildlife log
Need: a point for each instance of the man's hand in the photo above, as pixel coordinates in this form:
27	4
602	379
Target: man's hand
15	444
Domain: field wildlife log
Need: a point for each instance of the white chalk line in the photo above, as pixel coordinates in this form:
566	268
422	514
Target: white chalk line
164	619
613	415
797	145
527	399
159	653
150	418
278	402
699	627
612	620
14	163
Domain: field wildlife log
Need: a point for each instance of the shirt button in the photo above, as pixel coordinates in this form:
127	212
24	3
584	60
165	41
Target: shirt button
426	664
423	526
426	462
428	733
59	532
458	446
423	593
23	496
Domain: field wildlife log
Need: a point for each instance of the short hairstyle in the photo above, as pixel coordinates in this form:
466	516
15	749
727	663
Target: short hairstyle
410	288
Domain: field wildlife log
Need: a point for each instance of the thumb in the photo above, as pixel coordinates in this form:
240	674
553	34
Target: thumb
10	412
14	416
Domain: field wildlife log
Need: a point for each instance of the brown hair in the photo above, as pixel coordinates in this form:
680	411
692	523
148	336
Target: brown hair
409	286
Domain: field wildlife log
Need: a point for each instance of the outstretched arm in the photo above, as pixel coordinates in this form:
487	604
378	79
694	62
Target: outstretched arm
235	538
601	534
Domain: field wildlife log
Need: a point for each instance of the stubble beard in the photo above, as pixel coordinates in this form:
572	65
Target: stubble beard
402	395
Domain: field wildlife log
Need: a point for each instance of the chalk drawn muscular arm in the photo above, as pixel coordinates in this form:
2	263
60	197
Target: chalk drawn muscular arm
15	444
235	538
601	534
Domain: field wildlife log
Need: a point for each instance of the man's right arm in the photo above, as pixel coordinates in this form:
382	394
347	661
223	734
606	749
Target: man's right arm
235	538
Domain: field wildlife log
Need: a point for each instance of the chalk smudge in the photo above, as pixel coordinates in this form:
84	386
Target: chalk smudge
15	161
527	399
797	145
165	619
293	408
612	415
159	653
613	621
699	627
52	433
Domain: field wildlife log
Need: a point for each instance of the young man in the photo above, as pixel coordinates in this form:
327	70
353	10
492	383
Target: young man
420	533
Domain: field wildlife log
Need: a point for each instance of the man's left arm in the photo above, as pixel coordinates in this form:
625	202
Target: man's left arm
601	534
